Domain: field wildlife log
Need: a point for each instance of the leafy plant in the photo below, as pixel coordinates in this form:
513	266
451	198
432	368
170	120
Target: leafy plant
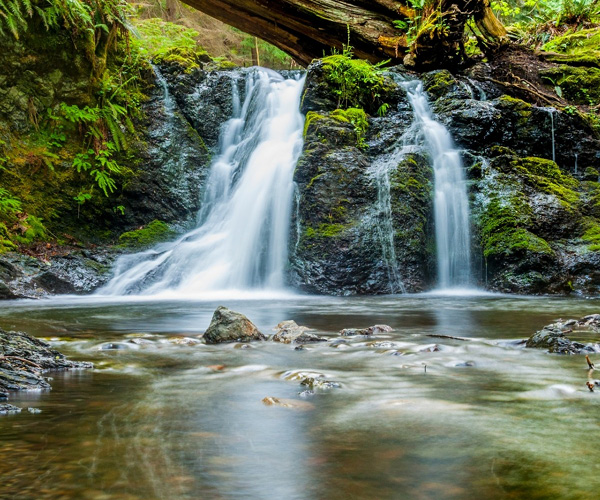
355	82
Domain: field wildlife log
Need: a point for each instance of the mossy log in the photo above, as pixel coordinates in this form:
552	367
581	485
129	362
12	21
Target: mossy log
309	29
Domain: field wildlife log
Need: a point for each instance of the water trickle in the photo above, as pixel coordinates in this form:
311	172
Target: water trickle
384	227
576	157
241	239
451	205
482	94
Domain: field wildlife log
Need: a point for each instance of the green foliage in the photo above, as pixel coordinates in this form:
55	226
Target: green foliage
17	227
525	12
87	20
154	232
592	235
355	82
155	37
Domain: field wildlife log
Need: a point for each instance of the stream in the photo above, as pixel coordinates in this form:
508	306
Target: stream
415	416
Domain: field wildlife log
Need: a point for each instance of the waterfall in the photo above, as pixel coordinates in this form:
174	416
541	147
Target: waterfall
451	205
241	239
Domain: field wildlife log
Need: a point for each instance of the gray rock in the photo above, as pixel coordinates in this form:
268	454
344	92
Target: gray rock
289	332
230	326
371	330
6	409
24	360
553	337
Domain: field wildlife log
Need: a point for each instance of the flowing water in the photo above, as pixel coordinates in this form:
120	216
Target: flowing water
242	237
418	415
451	204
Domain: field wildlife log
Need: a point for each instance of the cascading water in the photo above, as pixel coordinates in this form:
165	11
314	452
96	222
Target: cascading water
451	205
241	239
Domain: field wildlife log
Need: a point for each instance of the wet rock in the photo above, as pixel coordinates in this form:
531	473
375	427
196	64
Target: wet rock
287	403
6	409
371	330
24	360
319	383
184	341
554	338
230	326
289	332
71	272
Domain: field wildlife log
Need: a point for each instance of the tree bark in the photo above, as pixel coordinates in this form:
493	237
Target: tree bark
308	29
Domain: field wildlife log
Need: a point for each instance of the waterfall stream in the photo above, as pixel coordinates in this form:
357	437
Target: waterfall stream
451	205
241	239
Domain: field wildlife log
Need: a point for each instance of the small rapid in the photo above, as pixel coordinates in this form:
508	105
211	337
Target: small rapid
241	240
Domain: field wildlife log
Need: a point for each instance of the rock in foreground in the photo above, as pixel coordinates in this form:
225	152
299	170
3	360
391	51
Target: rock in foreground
230	326
554	336
289	332
23	360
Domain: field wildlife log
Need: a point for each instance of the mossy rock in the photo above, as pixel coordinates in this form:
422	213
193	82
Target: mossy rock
579	47
355	83
440	82
580	85
153	233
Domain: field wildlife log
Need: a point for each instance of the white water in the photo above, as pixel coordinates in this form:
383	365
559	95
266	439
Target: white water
241	240
451	205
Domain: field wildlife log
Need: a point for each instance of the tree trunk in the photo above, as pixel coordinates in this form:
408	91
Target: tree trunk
308	29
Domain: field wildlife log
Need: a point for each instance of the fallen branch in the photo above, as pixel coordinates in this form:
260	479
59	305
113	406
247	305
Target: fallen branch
590	364
547	99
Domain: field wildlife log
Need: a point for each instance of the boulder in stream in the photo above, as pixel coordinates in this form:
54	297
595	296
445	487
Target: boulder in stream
230	326
554	336
371	330
289	332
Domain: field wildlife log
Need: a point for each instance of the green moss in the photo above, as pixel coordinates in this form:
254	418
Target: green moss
311	118
154	232
514	103
438	83
503	229
591	174
545	176
324	230
580	85
311	182
579	44
358	118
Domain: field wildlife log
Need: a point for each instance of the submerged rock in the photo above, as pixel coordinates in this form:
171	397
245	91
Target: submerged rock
554	336
289	332
287	403
371	330
230	326
6	409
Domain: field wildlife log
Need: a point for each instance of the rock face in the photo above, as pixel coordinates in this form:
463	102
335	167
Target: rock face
73	272
554	336
364	222
24	360
230	326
